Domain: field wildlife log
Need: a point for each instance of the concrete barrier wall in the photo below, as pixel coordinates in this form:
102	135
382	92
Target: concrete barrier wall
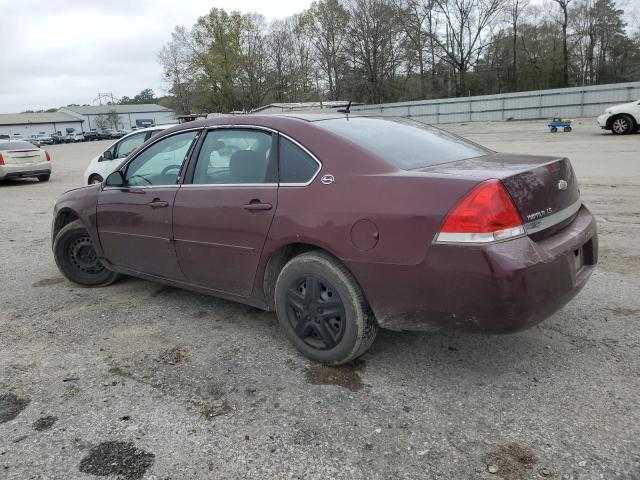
561	102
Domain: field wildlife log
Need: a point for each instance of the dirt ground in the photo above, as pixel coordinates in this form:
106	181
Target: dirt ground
140	381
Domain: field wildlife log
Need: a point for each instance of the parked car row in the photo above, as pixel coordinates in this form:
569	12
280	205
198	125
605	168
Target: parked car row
41	138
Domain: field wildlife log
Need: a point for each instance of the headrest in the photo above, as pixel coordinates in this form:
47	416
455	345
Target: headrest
246	166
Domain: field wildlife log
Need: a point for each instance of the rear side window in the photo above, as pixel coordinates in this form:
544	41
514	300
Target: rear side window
16	146
403	143
296	165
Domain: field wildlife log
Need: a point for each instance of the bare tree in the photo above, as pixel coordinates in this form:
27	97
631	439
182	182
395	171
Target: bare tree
327	22
515	9
564	7
466	25
174	58
101	122
113	119
373	38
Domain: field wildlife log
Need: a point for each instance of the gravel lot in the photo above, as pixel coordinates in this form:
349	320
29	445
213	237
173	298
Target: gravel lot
138	380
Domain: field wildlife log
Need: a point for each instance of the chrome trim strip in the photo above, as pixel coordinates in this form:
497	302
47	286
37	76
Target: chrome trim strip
192	185
236	126
479	238
553	219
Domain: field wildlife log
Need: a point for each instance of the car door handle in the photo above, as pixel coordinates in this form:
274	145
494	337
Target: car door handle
157	203
257	205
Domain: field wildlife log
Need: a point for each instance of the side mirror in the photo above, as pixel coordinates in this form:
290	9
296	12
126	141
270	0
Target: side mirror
108	155
115	179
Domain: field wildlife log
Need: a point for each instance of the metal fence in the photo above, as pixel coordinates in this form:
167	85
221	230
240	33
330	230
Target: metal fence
563	102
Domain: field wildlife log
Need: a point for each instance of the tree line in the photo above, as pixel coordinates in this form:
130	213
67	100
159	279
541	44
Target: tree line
377	51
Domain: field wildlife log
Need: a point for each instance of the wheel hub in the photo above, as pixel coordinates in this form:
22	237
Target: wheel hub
316	312
83	256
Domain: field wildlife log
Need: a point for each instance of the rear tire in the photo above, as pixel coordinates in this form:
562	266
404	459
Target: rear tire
322	309
76	258
623	125
567	129
44	178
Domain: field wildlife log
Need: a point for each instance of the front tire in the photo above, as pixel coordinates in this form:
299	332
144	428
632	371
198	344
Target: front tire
322	309
95	178
623	125
76	258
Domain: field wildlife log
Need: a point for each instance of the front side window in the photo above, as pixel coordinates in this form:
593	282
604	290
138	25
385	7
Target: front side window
160	164
296	165
129	144
234	156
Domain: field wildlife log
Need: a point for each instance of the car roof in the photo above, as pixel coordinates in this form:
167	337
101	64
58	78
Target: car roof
150	129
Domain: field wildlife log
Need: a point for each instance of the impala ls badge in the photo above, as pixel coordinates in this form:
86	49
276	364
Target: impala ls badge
327	179
562	185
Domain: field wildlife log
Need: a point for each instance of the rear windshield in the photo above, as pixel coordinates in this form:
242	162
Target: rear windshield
17	146
405	143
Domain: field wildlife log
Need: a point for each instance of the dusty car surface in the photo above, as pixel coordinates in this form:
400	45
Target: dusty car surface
22	159
341	224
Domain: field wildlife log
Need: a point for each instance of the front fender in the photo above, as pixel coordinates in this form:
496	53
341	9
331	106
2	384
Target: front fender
80	204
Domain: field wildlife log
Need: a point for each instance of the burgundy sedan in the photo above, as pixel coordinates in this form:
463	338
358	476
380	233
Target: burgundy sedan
341	224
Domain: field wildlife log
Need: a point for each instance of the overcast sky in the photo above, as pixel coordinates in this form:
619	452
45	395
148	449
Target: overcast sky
58	52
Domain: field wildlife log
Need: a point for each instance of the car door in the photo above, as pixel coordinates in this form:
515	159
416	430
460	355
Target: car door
222	214
134	220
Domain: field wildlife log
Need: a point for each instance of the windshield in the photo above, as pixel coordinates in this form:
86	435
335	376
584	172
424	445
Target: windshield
404	143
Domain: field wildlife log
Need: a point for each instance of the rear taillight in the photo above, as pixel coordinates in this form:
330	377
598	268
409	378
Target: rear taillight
1	159
46	154
487	214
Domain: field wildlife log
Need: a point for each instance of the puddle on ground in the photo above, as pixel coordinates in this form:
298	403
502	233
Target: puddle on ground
11	406
48	281
625	312
344	376
513	461
44	423
117	458
175	355
212	411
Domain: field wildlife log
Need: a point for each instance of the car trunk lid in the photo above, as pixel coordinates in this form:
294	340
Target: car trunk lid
22	156
544	189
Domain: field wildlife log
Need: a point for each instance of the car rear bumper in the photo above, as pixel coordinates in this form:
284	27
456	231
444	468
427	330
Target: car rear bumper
500	288
24	170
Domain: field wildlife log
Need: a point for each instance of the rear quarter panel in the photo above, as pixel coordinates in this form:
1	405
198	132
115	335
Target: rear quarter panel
405	209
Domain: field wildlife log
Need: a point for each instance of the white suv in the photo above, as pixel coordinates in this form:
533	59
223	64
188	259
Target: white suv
102	165
621	119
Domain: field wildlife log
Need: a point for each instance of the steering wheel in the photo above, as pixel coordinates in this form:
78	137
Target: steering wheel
140	176
166	170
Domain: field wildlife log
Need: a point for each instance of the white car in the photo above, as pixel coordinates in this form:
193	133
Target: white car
621	119
20	159
102	165
75	137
